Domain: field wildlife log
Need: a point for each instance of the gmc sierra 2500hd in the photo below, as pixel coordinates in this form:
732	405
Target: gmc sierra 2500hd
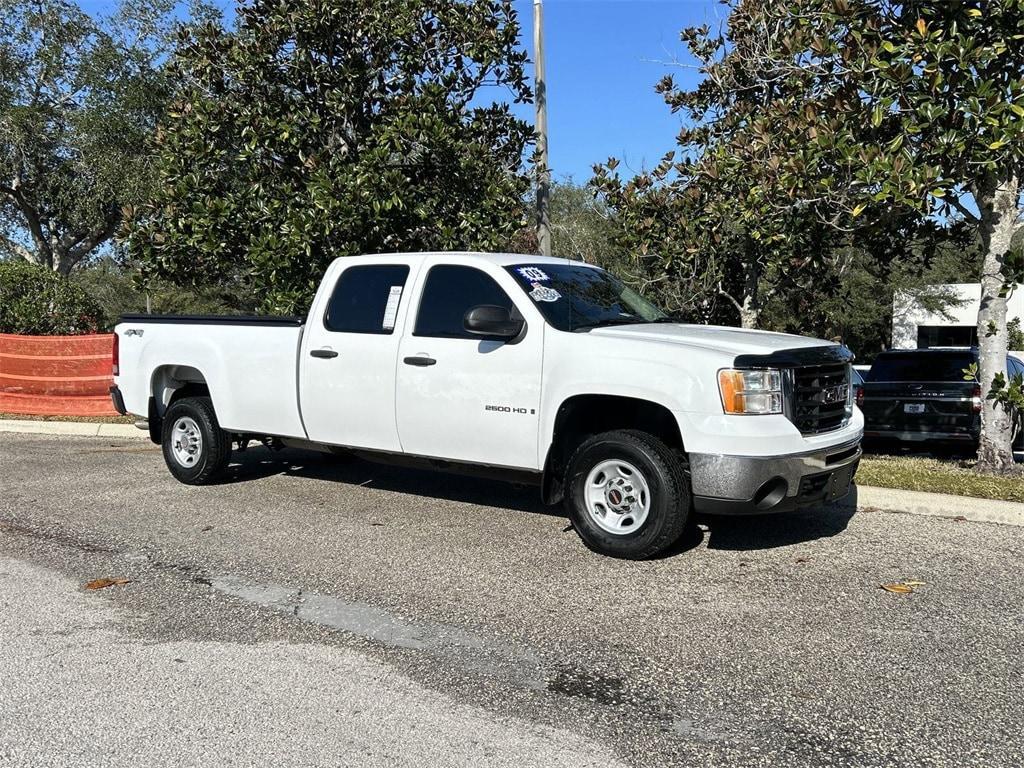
524	367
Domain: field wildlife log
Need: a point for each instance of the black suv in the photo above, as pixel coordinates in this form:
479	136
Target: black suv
921	394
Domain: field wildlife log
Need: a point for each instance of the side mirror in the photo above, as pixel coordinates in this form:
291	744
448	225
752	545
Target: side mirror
491	322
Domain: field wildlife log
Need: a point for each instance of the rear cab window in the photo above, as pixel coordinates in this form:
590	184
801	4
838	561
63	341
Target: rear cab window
366	299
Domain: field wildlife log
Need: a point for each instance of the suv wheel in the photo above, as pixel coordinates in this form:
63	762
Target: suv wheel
628	494
196	450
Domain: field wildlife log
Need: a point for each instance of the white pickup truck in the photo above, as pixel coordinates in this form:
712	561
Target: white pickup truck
523	367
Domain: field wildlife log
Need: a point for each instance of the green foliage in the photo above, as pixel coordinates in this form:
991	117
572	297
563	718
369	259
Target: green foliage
582	227
36	301
115	287
858	102
79	99
853	303
1015	334
318	130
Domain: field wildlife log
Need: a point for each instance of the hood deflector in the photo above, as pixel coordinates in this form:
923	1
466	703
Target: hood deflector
797	358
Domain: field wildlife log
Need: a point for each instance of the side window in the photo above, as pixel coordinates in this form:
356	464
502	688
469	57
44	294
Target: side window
366	299
449	292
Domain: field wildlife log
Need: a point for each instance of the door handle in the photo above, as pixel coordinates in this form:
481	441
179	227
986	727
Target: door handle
325	353
421	361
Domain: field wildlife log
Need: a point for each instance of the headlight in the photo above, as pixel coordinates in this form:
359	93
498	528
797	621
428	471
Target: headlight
751	392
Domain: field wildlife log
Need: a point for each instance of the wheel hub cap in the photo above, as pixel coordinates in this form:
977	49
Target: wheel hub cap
186	441
618	498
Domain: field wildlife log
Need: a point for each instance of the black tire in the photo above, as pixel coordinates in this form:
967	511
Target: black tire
663	470
212	454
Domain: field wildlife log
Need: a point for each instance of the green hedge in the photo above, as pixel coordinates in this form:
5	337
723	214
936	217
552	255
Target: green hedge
37	301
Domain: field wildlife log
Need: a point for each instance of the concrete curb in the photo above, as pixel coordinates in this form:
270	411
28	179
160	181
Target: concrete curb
941	505
76	428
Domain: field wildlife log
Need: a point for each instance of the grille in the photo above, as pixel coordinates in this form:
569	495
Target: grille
819	397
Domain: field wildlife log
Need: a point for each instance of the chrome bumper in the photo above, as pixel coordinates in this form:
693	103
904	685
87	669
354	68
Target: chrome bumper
724	484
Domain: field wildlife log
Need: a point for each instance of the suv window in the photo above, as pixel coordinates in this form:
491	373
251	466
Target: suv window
451	291
366	299
921	366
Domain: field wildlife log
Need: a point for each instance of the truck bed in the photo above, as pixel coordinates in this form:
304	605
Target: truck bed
248	362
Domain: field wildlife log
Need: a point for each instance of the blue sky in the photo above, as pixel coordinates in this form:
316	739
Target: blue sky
603	59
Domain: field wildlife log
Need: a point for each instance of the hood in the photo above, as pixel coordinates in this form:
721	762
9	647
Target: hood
716	338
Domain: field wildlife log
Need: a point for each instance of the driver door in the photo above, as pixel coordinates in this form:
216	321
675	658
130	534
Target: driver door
460	397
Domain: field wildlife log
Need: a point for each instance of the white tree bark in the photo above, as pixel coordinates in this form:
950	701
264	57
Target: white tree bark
997	203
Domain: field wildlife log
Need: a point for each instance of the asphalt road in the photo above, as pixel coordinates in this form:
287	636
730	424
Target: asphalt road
313	612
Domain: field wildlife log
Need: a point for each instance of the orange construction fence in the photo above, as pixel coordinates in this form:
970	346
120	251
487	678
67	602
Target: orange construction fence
56	375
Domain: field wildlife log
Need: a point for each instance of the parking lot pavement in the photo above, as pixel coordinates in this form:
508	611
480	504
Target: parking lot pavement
330	613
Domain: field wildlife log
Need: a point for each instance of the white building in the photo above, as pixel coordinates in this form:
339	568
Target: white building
914	327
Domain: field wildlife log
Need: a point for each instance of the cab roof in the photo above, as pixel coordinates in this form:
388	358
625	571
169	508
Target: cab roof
499	259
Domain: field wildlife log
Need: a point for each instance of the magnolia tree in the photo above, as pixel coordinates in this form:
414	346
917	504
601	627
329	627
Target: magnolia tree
842	112
318	130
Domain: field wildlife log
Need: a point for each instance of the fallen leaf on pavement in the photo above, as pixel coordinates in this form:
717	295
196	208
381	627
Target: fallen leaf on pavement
803	559
899	589
103	583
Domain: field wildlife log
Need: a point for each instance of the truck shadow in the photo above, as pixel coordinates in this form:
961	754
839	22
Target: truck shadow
718	532
257	463
783	530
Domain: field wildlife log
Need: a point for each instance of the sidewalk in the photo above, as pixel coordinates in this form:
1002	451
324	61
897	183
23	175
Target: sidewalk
77	428
941	505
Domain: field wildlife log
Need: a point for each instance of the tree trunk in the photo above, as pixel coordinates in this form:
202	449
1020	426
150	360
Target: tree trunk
997	204
750	309
749	313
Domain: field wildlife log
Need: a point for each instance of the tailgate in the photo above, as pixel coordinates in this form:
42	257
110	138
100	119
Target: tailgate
944	410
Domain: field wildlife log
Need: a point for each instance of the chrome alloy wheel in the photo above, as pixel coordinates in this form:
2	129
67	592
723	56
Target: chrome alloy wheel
186	442
617	497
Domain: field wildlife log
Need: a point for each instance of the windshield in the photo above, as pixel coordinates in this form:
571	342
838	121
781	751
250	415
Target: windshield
574	297
927	366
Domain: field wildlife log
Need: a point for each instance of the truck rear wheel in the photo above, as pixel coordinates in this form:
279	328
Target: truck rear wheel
196	450
628	494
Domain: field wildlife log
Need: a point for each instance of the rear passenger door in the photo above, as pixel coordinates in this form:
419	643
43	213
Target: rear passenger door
460	397
347	360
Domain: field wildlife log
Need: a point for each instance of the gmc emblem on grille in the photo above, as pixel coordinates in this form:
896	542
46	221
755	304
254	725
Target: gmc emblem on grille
831	395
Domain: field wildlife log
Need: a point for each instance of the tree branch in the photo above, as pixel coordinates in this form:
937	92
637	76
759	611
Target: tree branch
84	246
32	218
18	249
722	292
964	210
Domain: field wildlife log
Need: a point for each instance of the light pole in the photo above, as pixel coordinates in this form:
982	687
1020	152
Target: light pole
543	170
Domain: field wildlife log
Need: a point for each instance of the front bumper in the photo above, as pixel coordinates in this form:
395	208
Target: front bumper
724	484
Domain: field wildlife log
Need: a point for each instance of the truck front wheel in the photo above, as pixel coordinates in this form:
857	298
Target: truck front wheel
628	494
195	448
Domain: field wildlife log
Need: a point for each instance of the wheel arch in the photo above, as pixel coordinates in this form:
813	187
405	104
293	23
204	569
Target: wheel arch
168	383
583	415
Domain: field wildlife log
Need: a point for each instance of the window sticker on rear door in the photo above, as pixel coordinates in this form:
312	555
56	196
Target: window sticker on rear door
391	309
543	293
